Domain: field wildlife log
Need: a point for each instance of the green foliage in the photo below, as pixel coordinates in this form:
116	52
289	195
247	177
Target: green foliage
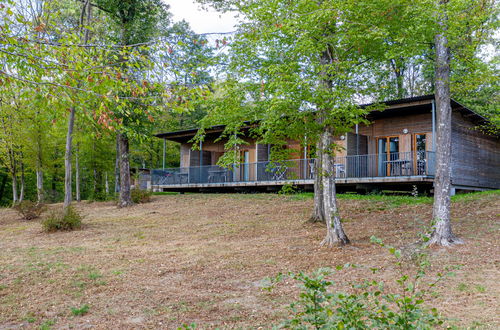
288	189
140	196
47	325
62	220
29	210
79	311
368	304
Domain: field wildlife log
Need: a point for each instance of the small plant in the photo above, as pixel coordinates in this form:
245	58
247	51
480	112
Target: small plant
288	189
367	304
29	210
414	191
47	325
140	196
62	220
480	288
79	311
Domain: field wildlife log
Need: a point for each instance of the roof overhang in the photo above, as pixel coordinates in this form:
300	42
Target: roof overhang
412	105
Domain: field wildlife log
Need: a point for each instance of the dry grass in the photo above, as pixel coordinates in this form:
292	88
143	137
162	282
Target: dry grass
201	258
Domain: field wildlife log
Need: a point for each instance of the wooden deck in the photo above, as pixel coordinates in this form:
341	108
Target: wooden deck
308	184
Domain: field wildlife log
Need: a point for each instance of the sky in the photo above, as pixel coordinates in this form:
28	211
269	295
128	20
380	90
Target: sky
201	21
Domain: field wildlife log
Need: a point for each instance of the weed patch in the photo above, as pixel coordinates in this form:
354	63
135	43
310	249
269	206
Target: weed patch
62	220
79	311
29	210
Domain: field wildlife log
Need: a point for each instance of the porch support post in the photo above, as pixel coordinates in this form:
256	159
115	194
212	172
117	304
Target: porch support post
164	152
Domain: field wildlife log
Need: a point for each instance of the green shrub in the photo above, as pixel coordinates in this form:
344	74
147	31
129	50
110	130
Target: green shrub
29	210
140	196
288	189
62	220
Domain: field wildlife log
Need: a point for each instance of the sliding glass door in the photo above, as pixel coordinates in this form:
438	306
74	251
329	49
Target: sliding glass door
388	155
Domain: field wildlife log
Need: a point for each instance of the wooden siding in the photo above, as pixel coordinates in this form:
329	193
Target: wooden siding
415	123
394	126
475	156
185	149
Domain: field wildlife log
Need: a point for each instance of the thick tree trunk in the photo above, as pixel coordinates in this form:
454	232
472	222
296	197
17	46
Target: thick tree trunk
67	160
318	214
335	232
77	175
125	198
117	165
442	233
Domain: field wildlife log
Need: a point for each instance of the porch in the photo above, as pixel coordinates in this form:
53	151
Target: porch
385	168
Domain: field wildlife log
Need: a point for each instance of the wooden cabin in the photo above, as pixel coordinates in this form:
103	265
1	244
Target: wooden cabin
395	151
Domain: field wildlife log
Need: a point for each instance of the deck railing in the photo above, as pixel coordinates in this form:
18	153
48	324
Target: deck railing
360	166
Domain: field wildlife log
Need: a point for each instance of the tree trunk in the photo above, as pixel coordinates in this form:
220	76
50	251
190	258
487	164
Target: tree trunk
77	175
67	160
117	165
318	214
14	188
125	198
39	186
106	184
21	190
398	70
335	232
442	233
13	173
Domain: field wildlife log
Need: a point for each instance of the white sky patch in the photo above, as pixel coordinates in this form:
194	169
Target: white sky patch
201	20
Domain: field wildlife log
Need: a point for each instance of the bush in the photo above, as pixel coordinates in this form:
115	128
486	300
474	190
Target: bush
288	189
29	210
62	220
140	196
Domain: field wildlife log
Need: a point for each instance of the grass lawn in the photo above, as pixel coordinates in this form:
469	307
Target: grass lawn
201	259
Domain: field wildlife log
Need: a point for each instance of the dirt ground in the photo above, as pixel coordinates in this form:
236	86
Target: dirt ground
201	259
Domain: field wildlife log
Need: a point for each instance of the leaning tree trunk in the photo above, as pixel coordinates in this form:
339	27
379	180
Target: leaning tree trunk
335	232
318	214
67	160
125	198
442	233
